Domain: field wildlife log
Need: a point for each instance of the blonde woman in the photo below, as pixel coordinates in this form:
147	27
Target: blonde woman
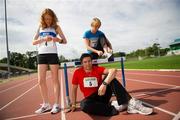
48	34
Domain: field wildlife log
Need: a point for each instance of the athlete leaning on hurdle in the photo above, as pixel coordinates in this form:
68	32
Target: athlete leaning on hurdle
98	92
96	42
46	39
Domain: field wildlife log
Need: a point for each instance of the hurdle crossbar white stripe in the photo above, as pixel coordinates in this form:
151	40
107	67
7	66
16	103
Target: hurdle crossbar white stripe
98	61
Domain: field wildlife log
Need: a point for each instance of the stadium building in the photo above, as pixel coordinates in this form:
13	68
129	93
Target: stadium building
175	47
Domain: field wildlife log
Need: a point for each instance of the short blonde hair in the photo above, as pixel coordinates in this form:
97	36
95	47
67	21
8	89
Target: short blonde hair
96	21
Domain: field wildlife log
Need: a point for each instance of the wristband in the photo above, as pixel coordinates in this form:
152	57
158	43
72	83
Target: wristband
104	83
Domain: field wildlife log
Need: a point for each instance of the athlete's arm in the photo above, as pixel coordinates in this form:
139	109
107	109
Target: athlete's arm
108	43
61	40
74	96
36	39
111	73
88	47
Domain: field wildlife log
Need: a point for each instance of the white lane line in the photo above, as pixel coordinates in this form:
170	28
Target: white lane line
175	76
177	117
62	104
27	116
155	83
63	117
160	109
16	85
150	105
155	107
20	96
159	91
17	98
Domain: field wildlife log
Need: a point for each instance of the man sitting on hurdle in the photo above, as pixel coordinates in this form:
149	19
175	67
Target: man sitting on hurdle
98	92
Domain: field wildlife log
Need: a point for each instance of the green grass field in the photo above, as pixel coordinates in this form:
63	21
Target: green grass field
166	62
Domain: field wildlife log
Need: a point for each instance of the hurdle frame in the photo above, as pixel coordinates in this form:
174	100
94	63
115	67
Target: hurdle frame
68	101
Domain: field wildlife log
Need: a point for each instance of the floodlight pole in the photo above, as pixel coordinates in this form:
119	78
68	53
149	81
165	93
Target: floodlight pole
7	46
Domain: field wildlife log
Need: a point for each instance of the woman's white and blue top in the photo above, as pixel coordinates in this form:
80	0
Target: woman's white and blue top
50	46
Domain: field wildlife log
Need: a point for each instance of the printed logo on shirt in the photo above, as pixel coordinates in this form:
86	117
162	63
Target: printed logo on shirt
90	82
93	43
44	34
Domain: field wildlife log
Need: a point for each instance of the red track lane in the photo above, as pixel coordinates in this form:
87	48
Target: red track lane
11	94
154	76
167	100
136	88
26	105
15	83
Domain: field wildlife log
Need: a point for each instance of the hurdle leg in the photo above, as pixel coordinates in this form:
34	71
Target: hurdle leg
67	86
122	70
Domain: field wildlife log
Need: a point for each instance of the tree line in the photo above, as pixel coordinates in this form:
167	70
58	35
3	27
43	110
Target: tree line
29	59
152	51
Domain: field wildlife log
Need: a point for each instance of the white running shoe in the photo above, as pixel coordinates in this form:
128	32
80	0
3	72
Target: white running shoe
136	106
55	109
107	55
118	107
44	108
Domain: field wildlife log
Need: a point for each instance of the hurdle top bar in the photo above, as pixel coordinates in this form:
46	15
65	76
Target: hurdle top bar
97	61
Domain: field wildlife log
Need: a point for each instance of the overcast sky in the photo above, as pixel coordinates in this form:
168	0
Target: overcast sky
128	24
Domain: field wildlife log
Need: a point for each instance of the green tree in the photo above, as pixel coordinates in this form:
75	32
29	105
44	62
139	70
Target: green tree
3	60
156	49
31	61
62	59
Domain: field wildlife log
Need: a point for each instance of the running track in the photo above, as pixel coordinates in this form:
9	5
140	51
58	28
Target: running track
161	90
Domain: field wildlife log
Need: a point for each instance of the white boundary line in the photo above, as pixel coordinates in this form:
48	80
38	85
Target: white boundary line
155	83
160	109
177	117
17	85
27	116
17	97
63	117
159	91
150	105
161	70
154	75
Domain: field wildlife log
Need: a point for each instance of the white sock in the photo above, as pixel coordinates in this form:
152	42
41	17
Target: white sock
56	104
45	104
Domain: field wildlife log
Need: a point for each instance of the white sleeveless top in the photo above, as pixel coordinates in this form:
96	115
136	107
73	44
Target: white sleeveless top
47	47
